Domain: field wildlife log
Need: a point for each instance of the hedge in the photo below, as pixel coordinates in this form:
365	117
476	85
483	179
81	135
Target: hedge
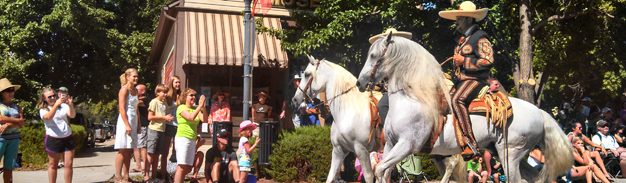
306	154
32	147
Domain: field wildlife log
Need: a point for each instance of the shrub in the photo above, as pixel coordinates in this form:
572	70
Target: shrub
302	155
32	144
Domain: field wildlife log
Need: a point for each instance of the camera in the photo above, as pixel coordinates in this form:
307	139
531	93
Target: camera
63	96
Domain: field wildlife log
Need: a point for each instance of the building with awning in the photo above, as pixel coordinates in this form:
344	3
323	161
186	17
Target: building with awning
202	42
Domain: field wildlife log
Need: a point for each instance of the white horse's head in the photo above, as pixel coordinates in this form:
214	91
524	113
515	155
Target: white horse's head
313	80
372	71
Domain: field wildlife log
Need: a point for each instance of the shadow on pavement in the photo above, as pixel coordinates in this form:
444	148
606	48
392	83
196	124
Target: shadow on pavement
100	147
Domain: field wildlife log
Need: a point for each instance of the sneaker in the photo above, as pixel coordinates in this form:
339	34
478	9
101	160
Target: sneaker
60	165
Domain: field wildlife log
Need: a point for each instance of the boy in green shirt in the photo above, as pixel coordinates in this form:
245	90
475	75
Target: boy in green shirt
475	170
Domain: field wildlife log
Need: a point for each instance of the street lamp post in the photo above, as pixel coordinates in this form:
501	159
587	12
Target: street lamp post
247	59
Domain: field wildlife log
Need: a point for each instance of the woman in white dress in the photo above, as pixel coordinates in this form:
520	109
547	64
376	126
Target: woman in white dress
127	128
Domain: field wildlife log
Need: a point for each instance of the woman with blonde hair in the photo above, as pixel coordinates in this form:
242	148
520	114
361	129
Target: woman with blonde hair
583	163
55	114
188	119
126	137
173	92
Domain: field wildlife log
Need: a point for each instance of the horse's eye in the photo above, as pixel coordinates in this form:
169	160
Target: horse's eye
307	74
372	55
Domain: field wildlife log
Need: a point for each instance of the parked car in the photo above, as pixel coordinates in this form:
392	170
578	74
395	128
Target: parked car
100	132
110	130
90	138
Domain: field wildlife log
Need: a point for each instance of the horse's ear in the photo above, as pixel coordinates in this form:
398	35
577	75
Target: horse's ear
388	38
312	60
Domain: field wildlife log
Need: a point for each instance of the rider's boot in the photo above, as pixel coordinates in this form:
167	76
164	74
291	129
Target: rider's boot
470	150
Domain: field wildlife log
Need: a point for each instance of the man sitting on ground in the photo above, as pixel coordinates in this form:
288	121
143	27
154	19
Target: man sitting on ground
609	142
221	161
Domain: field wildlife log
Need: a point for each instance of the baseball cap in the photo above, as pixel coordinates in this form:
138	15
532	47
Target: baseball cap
606	110
586	99
63	88
223	133
602	123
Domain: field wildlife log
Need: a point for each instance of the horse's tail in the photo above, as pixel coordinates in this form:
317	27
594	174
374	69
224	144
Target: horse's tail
556	149
460	171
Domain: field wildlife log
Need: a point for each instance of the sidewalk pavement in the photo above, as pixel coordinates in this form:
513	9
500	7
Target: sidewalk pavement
94	165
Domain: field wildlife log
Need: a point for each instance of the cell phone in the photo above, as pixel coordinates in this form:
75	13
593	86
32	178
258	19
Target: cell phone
63	96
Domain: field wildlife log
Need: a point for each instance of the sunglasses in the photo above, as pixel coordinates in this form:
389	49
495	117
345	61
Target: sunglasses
51	97
192	95
9	90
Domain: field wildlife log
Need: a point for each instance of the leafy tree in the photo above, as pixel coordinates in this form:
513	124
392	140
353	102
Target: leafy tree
82	45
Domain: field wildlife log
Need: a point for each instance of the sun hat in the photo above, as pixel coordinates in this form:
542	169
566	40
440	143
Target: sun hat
246	124
466	9
220	92
223	133
263	94
404	34
5	83
63	88
296	77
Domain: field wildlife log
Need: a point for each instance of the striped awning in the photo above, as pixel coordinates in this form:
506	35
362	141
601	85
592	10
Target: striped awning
218	39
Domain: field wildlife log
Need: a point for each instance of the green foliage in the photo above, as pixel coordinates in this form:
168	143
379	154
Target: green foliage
429	167
86	49
32	147
302	155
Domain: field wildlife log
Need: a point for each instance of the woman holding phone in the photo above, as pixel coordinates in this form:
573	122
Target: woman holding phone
55	114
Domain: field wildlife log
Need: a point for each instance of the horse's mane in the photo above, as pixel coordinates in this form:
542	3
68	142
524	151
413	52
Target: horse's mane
344	81
415	71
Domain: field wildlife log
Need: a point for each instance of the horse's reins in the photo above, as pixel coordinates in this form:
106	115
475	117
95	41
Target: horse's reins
371	80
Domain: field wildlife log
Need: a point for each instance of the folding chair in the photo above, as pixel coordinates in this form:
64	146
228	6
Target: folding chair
611	163
411	165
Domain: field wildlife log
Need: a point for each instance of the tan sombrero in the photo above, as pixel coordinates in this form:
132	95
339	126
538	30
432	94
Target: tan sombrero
220	92
467	9
407	35
5	83
263	94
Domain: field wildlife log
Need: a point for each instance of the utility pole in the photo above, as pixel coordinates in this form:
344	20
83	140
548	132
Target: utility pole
247	59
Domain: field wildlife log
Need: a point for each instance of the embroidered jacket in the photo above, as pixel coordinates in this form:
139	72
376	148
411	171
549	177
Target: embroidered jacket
478	54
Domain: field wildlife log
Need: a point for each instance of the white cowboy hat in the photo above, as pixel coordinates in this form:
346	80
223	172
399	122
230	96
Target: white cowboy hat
467	9
407	35
5	83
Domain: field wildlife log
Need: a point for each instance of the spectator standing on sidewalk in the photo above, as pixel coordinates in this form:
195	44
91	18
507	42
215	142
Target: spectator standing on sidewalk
142	107
261	111
127	128
173	92
55	114
295	113
11	118
245	149
220	109
185	140
157	114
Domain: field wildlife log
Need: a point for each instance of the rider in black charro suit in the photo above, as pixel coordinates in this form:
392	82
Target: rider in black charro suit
473	58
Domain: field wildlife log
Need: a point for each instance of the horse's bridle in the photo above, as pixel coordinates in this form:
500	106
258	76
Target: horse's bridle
308	84
372	73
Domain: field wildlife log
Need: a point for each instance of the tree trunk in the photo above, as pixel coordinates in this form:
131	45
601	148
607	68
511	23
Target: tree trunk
525	90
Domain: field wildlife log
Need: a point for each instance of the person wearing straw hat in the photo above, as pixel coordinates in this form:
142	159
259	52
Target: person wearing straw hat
220	110
383	102
295	114
473	58
10	119
261	111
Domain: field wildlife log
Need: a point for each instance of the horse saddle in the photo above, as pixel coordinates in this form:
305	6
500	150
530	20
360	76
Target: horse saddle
495	106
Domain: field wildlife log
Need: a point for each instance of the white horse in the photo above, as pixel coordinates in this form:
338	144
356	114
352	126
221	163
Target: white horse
334	79
415	78
350	110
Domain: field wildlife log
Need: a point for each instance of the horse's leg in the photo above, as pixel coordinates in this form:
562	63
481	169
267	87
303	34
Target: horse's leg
450	163
511	162
338	155
392	156
529	173
366	165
